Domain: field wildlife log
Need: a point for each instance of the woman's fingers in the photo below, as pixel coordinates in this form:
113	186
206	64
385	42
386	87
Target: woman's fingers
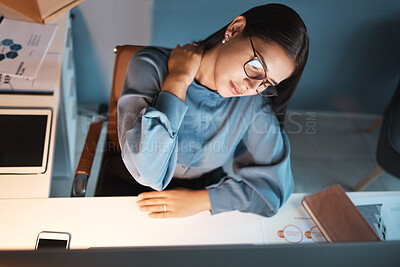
178	46
184	62
158	211
152	201
154	208
188	48
153	194
191	46
175	203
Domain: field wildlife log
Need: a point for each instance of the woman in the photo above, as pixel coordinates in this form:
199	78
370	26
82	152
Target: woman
183	114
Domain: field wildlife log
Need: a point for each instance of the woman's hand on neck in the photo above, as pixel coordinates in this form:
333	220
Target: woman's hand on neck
183	66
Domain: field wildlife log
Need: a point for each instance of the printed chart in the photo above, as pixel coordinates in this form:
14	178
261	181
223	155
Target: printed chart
293	226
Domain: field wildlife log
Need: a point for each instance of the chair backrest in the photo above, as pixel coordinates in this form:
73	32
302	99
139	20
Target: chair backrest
388	151
124	54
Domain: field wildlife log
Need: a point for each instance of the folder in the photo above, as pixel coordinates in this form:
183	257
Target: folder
337	217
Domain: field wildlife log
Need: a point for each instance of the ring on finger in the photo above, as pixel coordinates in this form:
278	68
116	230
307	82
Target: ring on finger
165	208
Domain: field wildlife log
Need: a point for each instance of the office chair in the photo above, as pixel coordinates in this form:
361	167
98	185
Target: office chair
108	183
388	151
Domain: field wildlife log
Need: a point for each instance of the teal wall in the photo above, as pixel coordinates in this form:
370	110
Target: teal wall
354	61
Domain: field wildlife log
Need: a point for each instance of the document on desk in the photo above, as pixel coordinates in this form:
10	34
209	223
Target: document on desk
382	214
294	225
23	46
44	83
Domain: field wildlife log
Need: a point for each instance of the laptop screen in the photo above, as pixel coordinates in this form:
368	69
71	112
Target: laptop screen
24	140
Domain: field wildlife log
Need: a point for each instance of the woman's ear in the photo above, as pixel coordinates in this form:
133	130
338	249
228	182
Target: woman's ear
236	27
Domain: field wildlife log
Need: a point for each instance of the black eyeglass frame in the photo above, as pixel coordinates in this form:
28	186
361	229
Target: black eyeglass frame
266	79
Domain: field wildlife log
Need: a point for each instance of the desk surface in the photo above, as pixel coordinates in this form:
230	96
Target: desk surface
36	186
117	222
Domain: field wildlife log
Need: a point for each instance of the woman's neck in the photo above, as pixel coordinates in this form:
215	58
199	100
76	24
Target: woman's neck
205	74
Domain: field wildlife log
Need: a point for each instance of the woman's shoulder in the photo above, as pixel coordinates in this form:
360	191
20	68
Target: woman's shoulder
150	58
155	54
147	70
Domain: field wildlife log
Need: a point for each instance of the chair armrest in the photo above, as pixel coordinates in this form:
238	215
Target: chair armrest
82	172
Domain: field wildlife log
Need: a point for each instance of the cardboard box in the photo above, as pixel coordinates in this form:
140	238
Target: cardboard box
41	11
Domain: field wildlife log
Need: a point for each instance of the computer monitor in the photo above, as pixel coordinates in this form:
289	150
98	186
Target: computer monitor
338	254
24	140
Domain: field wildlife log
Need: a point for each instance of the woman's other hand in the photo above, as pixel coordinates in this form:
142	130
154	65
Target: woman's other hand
178	203
184	62
183	65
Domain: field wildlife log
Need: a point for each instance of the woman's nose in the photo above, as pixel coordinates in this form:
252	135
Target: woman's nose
252	85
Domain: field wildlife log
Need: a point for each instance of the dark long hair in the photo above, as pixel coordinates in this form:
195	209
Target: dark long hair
281	24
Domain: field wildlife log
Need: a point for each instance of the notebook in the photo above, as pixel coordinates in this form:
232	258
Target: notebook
24	140
337	217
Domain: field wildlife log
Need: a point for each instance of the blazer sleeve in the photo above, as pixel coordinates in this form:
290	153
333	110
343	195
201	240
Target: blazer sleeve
149	120
262	161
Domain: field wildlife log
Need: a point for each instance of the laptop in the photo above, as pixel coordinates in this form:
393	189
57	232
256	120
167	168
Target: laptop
24	140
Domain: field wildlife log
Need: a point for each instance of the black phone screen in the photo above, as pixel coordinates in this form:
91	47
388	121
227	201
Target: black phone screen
52	243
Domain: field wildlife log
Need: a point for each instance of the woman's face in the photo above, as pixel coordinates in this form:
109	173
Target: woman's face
230	79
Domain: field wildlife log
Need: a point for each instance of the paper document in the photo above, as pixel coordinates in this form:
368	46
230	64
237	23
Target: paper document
23	46
45	82
294	225
383	214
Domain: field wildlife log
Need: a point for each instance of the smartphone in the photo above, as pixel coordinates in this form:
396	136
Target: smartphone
53	240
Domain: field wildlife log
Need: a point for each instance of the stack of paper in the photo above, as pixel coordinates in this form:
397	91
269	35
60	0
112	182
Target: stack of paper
23	46
44	83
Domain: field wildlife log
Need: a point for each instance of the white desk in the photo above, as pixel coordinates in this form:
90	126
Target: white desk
36	186
116	222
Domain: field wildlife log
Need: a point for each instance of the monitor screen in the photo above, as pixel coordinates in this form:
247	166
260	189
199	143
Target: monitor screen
24	137
22	140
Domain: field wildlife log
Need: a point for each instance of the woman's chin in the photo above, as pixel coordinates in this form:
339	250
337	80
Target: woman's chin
225	93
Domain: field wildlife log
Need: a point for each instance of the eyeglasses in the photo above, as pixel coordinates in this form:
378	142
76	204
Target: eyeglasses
256	70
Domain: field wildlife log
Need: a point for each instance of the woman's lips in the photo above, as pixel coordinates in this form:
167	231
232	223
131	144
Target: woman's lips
235	89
